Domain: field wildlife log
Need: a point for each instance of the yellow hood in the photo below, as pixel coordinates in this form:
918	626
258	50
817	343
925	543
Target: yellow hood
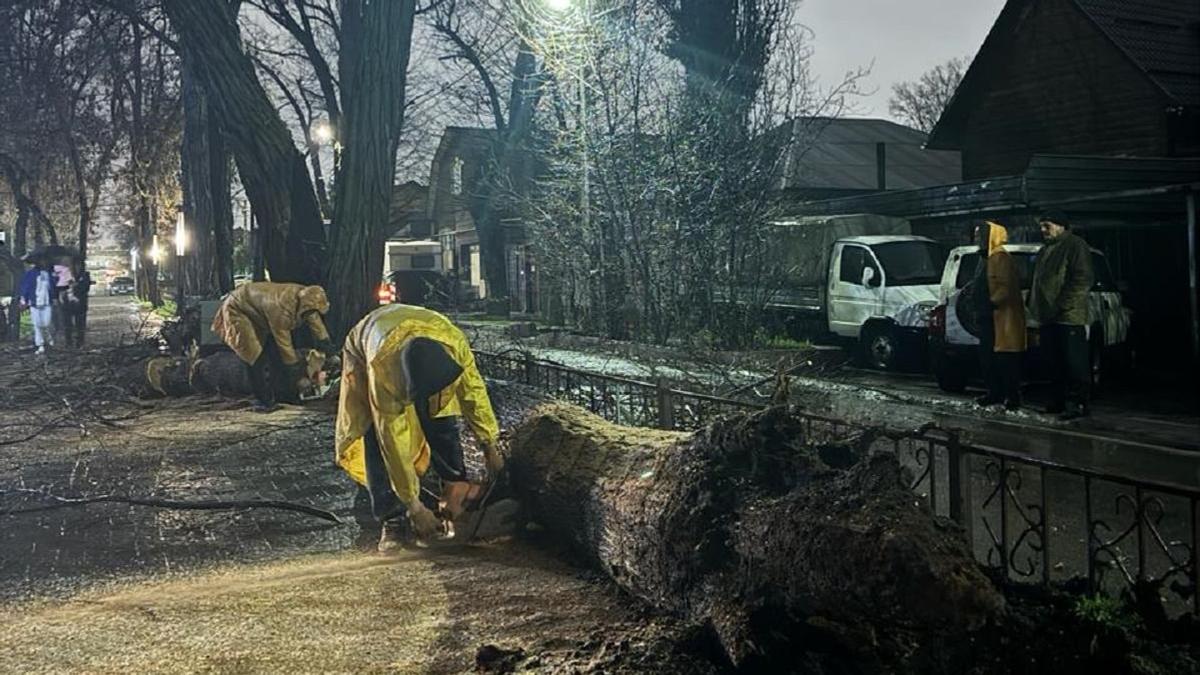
997	237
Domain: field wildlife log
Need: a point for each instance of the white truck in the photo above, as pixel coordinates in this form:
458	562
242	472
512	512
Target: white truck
954	350
866	279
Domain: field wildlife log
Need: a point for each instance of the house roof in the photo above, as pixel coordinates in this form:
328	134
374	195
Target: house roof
1161	38
840	153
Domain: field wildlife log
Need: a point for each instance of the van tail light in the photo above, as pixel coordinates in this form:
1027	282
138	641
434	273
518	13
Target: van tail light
386	295
937	321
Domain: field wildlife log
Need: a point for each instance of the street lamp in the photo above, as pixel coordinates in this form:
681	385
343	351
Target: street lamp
155	251
322	131
181	236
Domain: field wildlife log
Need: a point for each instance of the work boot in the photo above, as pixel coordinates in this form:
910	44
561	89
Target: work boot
395	535
261	407
1013	404
988	400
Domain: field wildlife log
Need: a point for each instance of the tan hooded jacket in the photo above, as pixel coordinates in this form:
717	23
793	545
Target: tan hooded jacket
1004	290
261	309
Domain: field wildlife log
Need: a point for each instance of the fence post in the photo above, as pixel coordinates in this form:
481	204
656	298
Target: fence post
530	365
958	473
666	404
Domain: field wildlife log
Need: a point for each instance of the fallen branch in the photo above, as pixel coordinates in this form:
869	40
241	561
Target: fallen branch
200	505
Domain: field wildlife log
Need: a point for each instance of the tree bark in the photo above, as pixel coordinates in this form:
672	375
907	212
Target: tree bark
271	169
373	63
208	210
780	541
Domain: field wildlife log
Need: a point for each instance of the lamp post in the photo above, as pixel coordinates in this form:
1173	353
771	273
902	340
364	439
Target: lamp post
180	250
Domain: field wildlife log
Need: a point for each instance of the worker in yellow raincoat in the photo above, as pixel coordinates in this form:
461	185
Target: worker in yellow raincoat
256	320
408	373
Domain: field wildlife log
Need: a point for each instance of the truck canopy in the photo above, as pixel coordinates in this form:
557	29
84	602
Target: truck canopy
802	245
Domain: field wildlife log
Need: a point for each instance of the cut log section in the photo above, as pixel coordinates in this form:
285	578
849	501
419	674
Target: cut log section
747	527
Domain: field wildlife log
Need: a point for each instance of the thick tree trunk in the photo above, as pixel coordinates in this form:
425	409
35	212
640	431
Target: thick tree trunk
373	63
747	527
271	169
206	202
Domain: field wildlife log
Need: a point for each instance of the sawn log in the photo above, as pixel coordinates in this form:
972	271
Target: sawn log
787	546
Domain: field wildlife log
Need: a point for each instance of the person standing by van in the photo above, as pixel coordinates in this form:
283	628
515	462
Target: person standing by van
1008	340
1062	278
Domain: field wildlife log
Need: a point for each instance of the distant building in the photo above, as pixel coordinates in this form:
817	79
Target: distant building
842	157
454	192
1118	78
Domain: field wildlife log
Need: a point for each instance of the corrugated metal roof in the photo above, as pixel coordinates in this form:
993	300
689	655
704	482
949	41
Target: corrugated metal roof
841	154
1162	37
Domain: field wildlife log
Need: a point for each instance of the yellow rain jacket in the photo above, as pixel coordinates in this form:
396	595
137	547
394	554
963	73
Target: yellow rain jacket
374	392
262	309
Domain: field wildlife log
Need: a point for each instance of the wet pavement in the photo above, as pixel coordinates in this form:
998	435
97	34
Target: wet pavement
193	449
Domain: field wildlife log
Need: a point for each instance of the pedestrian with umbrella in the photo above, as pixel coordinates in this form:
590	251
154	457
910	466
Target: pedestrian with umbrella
37	293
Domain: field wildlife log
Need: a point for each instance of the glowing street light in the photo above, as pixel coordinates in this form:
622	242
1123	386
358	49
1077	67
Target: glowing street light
181	236
155	251
323	132
133	258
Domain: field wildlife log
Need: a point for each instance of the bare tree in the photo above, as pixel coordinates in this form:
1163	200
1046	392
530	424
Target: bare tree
919	103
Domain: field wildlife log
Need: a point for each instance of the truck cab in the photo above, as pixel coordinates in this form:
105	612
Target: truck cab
877	289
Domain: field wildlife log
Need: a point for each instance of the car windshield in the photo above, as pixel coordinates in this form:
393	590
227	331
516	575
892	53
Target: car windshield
1022	259
123	280
911	263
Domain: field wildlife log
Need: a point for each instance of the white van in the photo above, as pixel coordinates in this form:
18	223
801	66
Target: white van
953	349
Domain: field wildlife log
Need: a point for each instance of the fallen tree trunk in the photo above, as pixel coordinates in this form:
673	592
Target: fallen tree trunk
747	527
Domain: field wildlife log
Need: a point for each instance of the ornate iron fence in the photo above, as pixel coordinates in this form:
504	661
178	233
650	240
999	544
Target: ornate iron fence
1031	520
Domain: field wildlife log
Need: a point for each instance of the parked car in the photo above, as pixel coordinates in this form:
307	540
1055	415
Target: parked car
120	286
953	354
428	289
857	277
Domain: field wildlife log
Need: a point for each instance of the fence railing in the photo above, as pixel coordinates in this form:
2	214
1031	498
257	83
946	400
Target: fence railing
1031	520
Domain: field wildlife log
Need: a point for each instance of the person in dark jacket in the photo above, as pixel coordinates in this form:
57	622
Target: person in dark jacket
74	304
1058	301
1007	310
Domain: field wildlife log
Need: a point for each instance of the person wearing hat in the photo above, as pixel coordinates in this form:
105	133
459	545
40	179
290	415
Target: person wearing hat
1058	301
256	320
408	374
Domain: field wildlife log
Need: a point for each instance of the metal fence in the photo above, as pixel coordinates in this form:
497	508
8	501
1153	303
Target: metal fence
1029	519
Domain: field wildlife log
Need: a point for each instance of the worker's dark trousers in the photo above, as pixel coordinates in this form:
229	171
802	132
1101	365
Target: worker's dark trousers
1066	349
446	458
259	383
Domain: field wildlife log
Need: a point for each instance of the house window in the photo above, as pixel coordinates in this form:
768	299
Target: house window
456	185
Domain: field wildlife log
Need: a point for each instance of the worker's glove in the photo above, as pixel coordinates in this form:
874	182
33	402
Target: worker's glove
425	524
493	459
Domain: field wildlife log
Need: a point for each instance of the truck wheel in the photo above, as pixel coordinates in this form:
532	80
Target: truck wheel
880	347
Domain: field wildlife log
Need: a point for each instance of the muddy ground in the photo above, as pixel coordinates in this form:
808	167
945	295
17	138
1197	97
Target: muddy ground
118	588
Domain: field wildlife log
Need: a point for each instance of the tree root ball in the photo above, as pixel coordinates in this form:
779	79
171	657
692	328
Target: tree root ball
775	539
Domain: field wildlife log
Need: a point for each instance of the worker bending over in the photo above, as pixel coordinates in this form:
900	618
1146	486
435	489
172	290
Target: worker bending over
407	375
256	320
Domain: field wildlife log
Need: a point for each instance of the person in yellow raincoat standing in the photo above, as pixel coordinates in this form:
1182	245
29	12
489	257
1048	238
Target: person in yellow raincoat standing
256	320
408	373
